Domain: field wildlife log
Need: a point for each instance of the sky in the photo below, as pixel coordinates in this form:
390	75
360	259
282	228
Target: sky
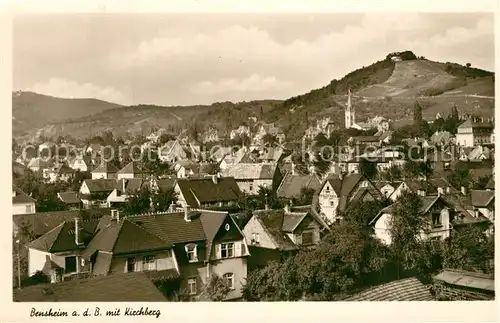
186	59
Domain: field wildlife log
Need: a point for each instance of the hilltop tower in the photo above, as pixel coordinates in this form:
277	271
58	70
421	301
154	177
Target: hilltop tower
349	112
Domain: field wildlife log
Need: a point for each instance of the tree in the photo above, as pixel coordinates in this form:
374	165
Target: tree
75	182
162	200
459	177
217	288
267	196
481	182
469	249
346	259
417	113
306	196
138	202
322	162
468	65
361	213
406	226
152	163
393	173
368	168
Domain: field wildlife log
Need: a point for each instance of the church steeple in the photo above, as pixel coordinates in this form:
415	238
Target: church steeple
349	111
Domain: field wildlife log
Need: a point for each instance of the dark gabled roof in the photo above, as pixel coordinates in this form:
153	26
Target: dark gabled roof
42	222
124	237
131	185
344	186
62	237
467	279
133	168
481	198
105	167
64	169
291	185
491	183
100	185
250	171
292	220
409	289
211	222
102	263
415	185
241	219
166	183
172	227
204	190
129	287
69	197
272	222
21	197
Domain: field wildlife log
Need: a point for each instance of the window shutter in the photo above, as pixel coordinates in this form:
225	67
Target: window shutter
243	249
237	249
217	251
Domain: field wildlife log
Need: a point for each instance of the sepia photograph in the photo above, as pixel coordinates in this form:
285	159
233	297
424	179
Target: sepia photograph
252	157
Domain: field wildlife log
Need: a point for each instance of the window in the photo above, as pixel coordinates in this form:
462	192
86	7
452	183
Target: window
192	253
332	203
255	238
436	219
251	187
130	265
192	286
307	238
230	279
29	208
70	264
149	262
227	250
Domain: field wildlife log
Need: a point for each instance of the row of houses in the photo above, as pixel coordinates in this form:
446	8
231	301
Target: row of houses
188	244
191	244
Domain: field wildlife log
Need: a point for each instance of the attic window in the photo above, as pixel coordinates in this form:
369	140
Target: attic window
192	252
227	227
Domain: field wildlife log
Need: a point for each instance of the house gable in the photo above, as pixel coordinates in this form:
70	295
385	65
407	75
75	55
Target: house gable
256	234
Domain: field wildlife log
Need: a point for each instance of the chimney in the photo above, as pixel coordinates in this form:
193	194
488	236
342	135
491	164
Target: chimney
215	179
440	191
464	191
287	208
476	213
171	208
293	168
77	232
186	214
448	190
115	215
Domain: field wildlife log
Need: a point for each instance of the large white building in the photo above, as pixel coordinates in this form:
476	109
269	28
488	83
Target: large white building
472	133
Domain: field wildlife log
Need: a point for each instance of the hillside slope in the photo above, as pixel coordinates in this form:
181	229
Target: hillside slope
390	89
386	88
32	110
142	118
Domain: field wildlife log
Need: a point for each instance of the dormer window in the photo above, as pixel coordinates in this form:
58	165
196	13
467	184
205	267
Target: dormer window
192	252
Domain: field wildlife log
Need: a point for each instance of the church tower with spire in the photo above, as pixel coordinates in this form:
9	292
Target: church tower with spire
349	112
